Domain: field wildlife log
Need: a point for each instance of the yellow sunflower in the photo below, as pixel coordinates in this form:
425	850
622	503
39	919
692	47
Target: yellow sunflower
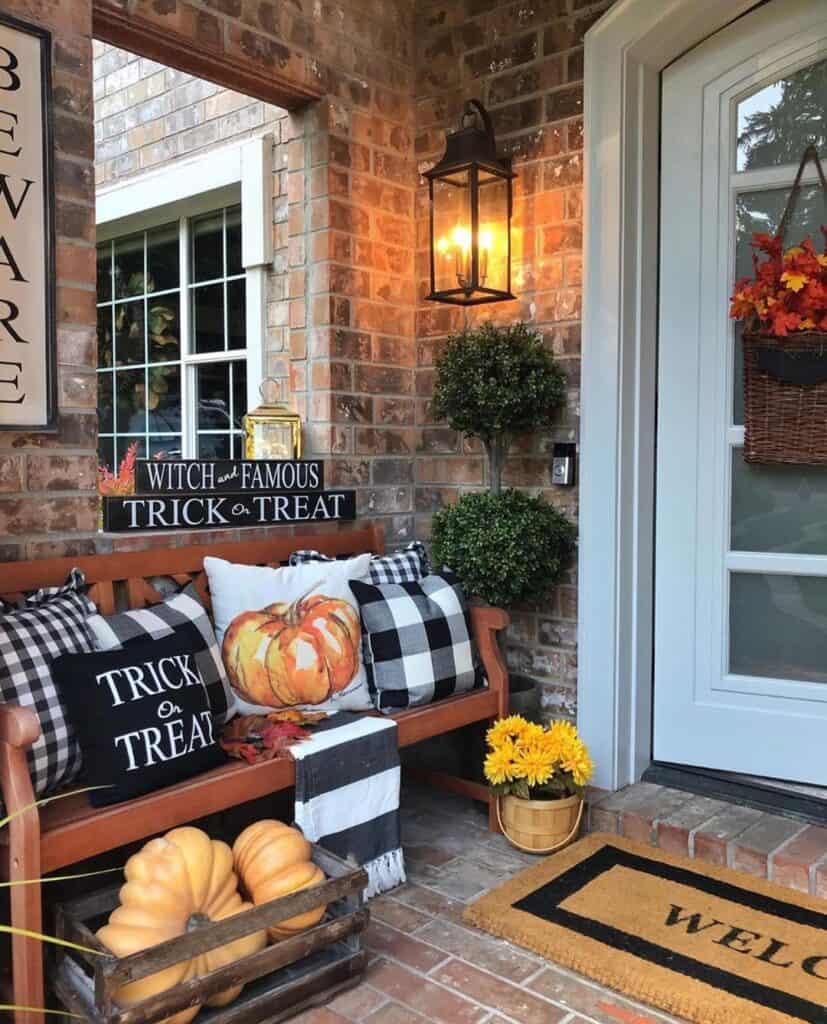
579	763
500	764
510	728
536	763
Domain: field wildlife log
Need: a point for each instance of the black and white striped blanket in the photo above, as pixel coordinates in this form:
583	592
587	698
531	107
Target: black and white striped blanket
347	794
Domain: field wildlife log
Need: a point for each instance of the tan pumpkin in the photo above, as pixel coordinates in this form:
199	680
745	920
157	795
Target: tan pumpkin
175	884
272	860
299	653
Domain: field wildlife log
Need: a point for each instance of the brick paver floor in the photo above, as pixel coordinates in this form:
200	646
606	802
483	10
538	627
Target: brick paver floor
427	966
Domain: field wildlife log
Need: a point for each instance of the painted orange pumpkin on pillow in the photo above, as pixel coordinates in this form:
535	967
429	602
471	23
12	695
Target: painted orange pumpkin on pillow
299	653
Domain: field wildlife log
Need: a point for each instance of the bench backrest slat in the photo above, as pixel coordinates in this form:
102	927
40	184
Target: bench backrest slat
135	569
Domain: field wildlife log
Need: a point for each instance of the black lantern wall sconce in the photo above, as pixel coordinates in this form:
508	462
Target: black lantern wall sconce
470	204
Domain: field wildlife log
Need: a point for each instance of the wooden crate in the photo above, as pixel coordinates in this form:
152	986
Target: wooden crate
280	980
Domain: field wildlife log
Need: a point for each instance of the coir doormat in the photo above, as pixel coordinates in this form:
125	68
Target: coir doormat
701	942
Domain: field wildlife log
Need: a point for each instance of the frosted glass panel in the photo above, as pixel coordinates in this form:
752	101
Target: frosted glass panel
778	508
777	122
778	626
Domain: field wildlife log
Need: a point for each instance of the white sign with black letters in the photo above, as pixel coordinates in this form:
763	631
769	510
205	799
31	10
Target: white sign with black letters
27	321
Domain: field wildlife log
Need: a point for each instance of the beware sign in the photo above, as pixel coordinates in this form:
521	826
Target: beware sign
27	277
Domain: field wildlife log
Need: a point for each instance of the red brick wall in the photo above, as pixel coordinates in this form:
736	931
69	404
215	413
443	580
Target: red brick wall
148	115
341	309
525	62
47	482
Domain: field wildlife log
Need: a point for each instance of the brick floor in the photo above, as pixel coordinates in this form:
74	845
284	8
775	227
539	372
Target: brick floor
426	966
787	851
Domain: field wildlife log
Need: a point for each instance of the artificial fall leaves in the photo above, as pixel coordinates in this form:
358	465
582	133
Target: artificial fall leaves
254	738
788	292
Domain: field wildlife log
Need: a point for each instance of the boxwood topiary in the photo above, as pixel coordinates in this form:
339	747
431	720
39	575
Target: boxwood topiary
495	383
506	548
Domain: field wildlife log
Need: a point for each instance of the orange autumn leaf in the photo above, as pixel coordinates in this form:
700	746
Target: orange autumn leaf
788	290
795	282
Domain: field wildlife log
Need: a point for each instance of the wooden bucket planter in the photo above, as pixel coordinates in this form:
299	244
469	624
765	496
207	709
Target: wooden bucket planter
280	980
539	826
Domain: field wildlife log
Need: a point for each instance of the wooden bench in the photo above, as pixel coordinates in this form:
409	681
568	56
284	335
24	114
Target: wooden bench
38	842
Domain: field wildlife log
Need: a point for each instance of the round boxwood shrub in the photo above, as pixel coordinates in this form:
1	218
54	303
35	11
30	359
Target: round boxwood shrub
506	548
495	383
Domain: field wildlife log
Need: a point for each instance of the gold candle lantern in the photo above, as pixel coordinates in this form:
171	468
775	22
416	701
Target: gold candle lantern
272	431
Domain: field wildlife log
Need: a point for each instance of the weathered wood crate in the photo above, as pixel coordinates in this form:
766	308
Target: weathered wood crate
280	980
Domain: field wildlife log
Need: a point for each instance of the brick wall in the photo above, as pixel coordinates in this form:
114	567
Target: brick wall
525	62
148	115
340	316
47	481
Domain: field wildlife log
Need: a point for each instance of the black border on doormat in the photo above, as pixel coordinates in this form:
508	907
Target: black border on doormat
544	903
707	782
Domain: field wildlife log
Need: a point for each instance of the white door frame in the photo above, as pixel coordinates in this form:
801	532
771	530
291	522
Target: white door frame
624	55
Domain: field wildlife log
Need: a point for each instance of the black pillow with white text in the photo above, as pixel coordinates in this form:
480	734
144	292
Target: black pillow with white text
141	714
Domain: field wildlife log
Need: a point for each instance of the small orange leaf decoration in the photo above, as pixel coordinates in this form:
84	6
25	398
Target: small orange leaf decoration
299	653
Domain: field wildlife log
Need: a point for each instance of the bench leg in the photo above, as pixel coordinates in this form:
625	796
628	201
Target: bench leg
493	821
25	900
27	954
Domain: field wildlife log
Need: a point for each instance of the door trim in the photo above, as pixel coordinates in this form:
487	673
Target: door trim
625	53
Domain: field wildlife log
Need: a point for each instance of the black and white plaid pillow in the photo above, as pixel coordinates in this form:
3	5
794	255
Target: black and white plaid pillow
49	623
417	641
408	565
160	620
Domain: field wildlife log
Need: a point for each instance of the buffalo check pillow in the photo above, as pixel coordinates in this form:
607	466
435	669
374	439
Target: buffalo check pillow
417	641
408	565
49	623
112	632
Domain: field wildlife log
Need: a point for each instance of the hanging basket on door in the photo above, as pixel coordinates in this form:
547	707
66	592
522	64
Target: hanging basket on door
784	309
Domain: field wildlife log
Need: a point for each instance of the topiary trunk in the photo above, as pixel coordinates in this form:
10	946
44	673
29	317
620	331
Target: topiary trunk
497	449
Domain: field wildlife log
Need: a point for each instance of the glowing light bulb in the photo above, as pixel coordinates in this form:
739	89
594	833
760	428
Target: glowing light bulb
461	237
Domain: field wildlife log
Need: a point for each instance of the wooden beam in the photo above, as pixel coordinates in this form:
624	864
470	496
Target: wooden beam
112	23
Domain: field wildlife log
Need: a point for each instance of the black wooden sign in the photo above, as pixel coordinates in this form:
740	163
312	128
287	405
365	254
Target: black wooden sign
200	511
227	476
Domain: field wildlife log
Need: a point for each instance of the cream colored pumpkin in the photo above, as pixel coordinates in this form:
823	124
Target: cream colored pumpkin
174	884
272	860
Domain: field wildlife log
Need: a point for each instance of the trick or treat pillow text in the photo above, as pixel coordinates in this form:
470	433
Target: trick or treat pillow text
141	713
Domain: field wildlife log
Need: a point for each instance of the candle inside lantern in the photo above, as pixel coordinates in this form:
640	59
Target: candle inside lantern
486	244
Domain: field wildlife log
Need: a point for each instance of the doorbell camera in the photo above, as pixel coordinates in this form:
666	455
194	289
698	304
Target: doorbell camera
563	460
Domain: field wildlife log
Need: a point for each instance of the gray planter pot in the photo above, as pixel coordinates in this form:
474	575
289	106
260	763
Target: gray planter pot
463	751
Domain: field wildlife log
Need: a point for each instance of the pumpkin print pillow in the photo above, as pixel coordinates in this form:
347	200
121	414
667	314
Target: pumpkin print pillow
291	637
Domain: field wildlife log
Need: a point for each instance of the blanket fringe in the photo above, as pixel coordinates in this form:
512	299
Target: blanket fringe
385	872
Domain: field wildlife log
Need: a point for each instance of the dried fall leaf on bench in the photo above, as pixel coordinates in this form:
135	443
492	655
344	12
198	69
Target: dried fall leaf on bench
254	738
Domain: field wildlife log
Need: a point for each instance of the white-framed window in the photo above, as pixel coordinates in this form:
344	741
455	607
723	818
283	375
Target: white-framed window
172	339
183	254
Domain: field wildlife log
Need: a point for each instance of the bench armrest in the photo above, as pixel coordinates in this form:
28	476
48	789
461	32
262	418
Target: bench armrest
486	622
19	726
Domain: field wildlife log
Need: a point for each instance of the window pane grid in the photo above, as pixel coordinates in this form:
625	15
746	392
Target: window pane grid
148	342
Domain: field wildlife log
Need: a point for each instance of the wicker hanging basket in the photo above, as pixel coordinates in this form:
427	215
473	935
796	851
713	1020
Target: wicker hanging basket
539	826
785	399
785	379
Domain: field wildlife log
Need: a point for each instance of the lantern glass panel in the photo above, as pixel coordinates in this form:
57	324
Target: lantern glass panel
493	232
452	231
269	439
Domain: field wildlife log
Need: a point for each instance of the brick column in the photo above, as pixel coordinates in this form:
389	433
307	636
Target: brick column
48	503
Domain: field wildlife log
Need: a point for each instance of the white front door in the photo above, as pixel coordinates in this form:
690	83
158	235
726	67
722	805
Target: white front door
741	550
